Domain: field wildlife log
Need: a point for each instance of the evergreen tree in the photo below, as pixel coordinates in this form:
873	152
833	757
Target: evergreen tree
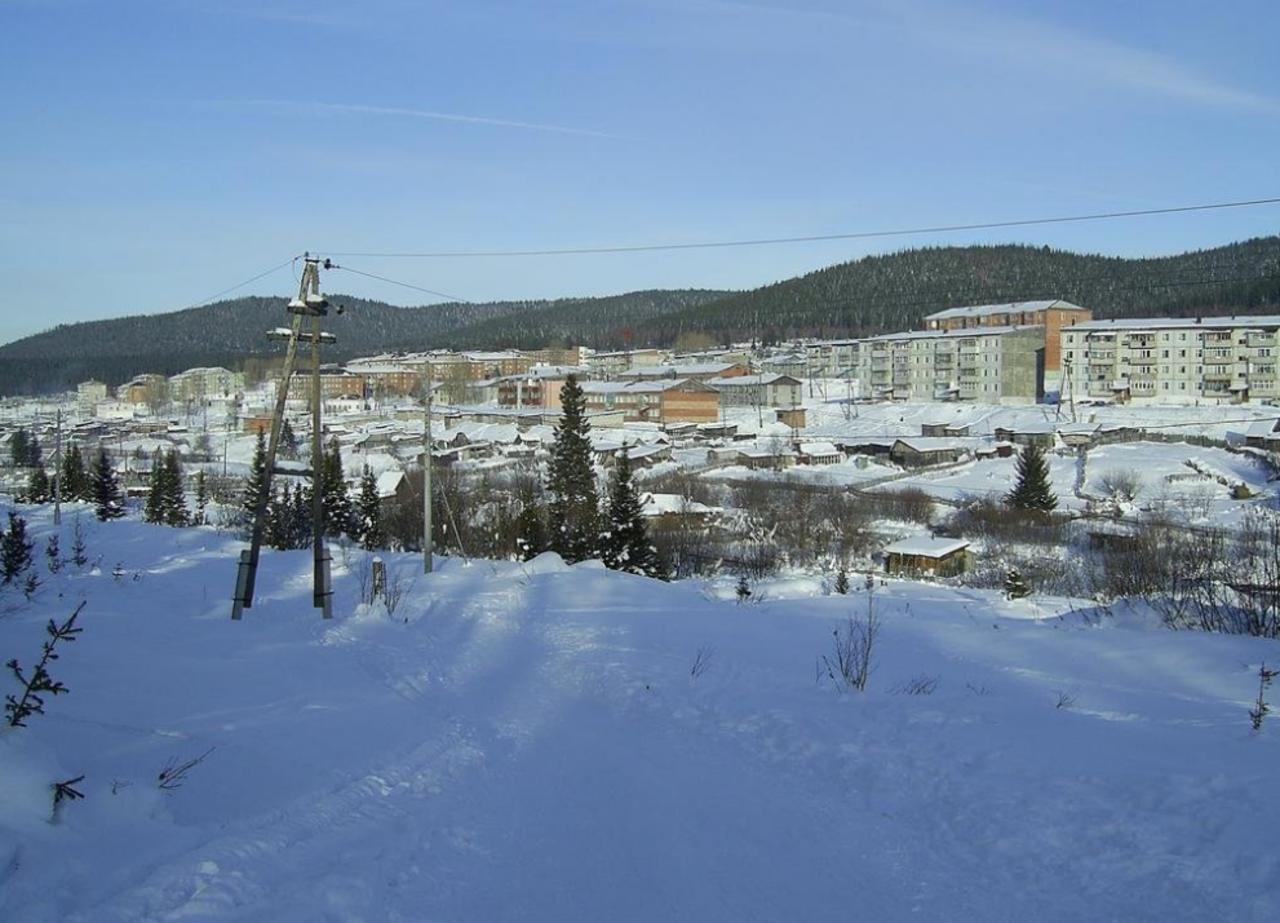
18	447
288	447
627	546
106	488
76	484
743	589
335	501
15	550
35	455
38	490
174	503
1032	490
1015	587
280	528
253	487
842	580
53	554
202	500
301	520
367	525
531	531
574	510
79	557
153	510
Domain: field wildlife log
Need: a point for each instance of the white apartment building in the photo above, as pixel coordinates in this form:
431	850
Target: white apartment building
831	358
1172	360
201	384
758	391
990	365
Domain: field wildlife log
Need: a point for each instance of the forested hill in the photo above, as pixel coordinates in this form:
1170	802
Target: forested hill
878	294
230	332
868	296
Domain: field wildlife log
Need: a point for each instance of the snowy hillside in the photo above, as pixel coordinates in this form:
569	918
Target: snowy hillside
528	743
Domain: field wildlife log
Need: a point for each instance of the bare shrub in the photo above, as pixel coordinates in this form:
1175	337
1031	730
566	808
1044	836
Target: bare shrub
702	660
852	659
174	774
1120	484
919	685
907	504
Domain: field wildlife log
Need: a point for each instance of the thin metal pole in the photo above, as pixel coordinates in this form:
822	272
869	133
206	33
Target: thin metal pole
427	550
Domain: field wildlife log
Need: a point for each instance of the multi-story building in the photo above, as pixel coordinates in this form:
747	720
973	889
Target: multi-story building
831	358
1053	315
606	366
993	365
88	393
667	401
698	371
758	391
539	387
335	383
1173	360
199	384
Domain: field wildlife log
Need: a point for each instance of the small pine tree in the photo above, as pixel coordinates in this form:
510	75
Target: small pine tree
627	546
106	488
202	500
1032	490
280	527
1015	587
288	447
842	580
35	455
38	489
79	556
743	589
15	550
574	511
53	554
367	525
31	584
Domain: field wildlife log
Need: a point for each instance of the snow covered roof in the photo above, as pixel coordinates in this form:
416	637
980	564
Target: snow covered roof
388	481
1014	307
961	334
1165	323
927	546
660	504
818	448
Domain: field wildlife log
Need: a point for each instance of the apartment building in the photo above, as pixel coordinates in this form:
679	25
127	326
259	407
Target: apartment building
985	364
1228	360
831	358
758	391
607	366
667	401
698	371
1054	315
203	383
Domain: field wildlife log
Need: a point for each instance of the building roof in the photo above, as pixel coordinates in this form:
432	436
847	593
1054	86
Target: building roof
1013	307
927	546
961	334
1164	323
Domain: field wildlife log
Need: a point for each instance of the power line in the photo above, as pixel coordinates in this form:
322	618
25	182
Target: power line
418	288
261	275
818	238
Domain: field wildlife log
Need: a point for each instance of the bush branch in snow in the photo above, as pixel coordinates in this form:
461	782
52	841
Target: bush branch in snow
18	710
702	660
1261	709
174	774
65	791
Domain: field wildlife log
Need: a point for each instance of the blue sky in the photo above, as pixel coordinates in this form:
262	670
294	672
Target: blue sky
154	152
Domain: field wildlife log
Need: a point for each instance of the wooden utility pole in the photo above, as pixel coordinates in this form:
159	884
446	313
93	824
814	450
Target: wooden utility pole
308	303
428	551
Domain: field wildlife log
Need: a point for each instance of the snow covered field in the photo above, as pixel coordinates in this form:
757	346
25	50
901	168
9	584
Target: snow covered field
527	743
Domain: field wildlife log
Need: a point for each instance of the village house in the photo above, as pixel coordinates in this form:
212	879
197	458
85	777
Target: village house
926	556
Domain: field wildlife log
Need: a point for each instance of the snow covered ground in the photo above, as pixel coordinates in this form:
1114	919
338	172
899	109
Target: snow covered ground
528	743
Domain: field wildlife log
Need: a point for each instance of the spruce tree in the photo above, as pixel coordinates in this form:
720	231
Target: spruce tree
75	480
79	551
574	510
35	455
335	500
253	487
53	554
153	509
301	519
18	447
15	550
288	441
367	525
38	489
627	546
1015	587
279	528
106	488
174	503
202	500
1032	490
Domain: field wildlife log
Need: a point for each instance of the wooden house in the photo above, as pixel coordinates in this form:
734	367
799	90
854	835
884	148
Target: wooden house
927	556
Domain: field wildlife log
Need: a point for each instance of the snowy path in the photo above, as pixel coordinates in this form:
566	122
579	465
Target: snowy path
526	743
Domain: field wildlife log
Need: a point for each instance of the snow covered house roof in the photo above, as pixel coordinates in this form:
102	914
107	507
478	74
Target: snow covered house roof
927	546
674	504
818	448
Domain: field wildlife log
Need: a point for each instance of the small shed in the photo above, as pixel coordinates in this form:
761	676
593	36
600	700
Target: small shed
921	453
1033	434
926	555
817	453
793	417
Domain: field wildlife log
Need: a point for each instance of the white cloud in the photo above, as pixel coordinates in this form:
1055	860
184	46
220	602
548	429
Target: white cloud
306	107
